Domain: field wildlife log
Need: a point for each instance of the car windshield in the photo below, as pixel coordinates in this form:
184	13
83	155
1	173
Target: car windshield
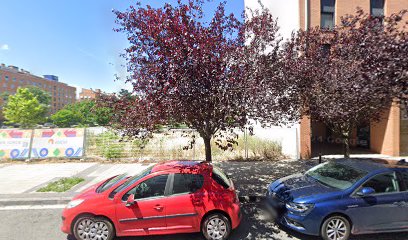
131	181
336	175
110	182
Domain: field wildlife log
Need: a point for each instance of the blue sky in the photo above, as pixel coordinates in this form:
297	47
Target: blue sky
72	39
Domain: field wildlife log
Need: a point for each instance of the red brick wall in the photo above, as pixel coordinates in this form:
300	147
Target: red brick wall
385	135
305	138
61	93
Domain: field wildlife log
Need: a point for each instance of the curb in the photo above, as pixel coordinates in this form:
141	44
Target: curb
33	201
65	200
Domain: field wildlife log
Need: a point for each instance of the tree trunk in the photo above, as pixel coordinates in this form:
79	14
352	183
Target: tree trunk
346	142
207	144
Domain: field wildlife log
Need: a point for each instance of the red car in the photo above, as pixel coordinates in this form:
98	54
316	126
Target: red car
167	198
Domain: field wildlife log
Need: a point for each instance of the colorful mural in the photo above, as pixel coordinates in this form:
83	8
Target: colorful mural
55	143
14	143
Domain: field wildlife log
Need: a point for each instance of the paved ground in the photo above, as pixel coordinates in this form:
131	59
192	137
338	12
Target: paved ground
21	181
21	178
252	178
44	224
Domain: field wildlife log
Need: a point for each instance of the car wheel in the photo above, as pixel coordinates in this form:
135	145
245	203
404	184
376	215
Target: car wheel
336	228
90	228
216	227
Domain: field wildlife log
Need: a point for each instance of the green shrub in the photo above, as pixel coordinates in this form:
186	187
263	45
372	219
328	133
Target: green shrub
62	185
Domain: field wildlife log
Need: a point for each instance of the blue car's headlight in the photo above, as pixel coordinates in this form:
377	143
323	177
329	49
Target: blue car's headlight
302	208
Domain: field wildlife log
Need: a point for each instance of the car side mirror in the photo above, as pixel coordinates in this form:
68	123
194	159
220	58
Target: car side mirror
365	191
130	201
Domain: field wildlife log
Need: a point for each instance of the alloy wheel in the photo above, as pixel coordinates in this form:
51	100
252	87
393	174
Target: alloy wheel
216	228
336	229
89	230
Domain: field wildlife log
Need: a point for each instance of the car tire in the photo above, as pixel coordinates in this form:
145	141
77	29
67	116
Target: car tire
336	227
216	227
88	227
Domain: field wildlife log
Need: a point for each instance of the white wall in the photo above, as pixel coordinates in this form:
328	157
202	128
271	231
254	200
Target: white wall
287	12
286	136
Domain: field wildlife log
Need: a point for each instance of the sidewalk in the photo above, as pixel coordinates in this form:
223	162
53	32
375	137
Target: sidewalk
20	182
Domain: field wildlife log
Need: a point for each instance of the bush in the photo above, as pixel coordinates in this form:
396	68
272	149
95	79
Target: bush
62	185
265	149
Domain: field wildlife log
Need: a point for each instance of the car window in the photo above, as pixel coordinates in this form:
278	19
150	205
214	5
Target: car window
404	176
110	182
152	187
336	175
383	183
131	181
187	183
220	177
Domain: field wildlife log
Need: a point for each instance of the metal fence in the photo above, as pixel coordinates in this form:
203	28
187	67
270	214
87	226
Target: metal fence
103	143
174	144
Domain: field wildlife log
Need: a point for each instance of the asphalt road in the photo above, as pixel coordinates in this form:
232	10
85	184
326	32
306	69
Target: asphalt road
44	224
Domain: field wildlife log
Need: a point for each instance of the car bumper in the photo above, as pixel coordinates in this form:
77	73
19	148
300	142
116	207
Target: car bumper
67	218
308	224
236	215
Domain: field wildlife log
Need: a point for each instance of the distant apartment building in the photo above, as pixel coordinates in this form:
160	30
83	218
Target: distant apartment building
390	135
87	94
11	78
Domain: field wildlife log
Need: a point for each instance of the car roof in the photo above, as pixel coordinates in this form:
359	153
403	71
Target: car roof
191	167
373	164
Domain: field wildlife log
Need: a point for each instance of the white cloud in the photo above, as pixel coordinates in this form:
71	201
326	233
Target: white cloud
4	47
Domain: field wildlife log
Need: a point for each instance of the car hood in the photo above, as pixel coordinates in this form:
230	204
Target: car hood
298	188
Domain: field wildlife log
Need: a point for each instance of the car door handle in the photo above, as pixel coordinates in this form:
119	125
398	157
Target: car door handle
159	207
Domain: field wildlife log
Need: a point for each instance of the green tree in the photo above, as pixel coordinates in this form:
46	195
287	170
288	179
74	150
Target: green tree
84	113
25	109
65	118
42	96
103	115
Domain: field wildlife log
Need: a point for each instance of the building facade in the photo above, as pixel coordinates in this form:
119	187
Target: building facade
390	135
87	94
12	77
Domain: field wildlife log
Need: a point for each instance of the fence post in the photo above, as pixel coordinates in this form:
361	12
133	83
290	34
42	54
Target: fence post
30	146
246	143
84	144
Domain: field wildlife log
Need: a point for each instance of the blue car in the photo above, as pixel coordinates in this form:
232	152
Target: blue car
343	197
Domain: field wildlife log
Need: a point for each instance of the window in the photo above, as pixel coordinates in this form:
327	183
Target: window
220	178
383	183
152	187
404	176
326	50
336	175
377	8
6	78
131	181
109	183
187	183
14	80
327	13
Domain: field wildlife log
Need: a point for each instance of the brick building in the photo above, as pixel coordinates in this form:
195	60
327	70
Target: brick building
390	135
88	94
12	77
